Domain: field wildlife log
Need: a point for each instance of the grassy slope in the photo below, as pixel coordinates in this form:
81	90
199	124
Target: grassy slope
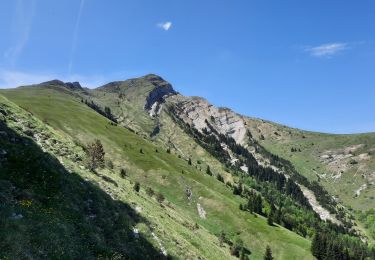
48	211
163	172
308	162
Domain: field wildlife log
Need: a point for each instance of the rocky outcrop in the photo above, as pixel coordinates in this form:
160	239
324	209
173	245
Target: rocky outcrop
58	83
157	96
197	112
73	85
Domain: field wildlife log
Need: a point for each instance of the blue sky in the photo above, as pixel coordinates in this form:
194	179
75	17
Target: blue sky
306	64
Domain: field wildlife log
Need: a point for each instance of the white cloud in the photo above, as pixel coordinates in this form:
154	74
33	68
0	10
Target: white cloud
327	50
165	26
22	22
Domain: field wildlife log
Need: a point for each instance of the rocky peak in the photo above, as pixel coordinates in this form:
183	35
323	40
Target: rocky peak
58	83
158	95
161	90
73	85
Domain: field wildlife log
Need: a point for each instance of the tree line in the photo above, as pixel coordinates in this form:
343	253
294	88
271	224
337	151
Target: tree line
106	112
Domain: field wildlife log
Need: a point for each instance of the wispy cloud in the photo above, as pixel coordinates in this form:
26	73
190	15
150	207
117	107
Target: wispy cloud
22	23
327	50
75	37
165	25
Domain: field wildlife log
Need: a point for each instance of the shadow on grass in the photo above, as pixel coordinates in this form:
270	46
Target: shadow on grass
47	212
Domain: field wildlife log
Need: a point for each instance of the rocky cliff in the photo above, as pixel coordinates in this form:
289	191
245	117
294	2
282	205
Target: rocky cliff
198	111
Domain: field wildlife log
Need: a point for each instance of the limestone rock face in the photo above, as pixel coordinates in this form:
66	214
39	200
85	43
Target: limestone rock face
157	95
198	111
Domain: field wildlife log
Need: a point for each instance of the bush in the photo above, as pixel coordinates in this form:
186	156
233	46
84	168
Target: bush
137	186
160	197
150	192
123	173
208	170
222	238
236	247
220	178
110	164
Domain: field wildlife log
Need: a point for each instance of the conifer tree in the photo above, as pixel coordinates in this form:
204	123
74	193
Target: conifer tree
95	152
208	170
270	219
268	254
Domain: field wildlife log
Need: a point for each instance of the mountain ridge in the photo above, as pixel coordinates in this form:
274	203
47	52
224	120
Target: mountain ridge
239	151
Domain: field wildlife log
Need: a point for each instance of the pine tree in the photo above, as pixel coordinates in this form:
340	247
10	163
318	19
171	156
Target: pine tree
268	254
240	189
189	161
250	205
95	152
270	219
317	246
107	110
258	208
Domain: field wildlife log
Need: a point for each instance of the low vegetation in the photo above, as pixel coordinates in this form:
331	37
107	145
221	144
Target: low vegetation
149	196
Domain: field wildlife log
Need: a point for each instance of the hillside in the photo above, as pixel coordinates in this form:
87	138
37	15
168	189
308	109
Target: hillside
342	164
176	223
209	163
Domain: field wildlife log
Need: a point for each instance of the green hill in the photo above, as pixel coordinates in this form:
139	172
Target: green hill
60	114
200	171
